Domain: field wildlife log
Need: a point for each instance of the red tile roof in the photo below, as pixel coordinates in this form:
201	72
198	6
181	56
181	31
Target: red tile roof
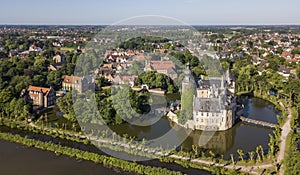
38	89
285	54
292	60
297	55
162	65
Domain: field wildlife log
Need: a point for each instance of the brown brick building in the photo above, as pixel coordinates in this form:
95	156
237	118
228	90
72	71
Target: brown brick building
41	96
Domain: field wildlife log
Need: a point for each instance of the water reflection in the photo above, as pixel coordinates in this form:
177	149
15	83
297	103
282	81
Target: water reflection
241	136
220	142
260	109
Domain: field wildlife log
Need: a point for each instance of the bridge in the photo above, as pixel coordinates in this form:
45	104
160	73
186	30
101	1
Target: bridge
257	122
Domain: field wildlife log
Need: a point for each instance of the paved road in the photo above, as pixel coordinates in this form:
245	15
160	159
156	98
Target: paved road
286	129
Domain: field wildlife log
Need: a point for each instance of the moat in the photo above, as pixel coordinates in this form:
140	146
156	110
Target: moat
240	136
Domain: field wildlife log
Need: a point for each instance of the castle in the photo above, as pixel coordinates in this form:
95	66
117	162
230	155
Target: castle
211	102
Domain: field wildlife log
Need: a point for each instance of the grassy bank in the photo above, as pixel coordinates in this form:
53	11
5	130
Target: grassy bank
292	155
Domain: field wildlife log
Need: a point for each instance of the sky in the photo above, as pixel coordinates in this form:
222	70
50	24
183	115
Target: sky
193	12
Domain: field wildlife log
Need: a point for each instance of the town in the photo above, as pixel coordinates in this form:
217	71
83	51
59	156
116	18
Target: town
259	65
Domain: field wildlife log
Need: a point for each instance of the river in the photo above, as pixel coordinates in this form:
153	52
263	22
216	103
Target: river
17	159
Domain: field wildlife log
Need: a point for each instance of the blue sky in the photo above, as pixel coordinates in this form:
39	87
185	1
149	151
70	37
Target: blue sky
222	12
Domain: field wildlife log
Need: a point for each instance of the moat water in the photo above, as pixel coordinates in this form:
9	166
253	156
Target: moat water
241	136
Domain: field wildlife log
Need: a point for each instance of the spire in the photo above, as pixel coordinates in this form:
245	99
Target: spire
187	70
187	74
188	66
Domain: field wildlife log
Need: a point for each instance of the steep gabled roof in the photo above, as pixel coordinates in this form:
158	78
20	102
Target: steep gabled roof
71	79
38	89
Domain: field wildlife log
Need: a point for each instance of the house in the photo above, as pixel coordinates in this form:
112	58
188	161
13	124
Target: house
60	61
80	84
55	67
62	52
41	96
110	65
290	60
161	50
123	79
256	60
59	58
287	55
284	71
163	67
138	58
104	71
34	48
121	67
297	56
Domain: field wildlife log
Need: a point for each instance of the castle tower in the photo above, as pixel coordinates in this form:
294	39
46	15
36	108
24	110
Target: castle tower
188	79
187	95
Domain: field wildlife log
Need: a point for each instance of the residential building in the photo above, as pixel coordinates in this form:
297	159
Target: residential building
41	96
80	84
123	79
163	67
34	48
59	58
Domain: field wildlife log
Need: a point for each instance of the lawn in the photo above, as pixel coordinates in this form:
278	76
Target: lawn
67	48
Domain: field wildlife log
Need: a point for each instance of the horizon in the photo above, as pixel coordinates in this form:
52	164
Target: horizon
191	12
222	25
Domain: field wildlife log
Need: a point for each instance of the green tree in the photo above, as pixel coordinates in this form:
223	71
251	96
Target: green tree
241	154
65	105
